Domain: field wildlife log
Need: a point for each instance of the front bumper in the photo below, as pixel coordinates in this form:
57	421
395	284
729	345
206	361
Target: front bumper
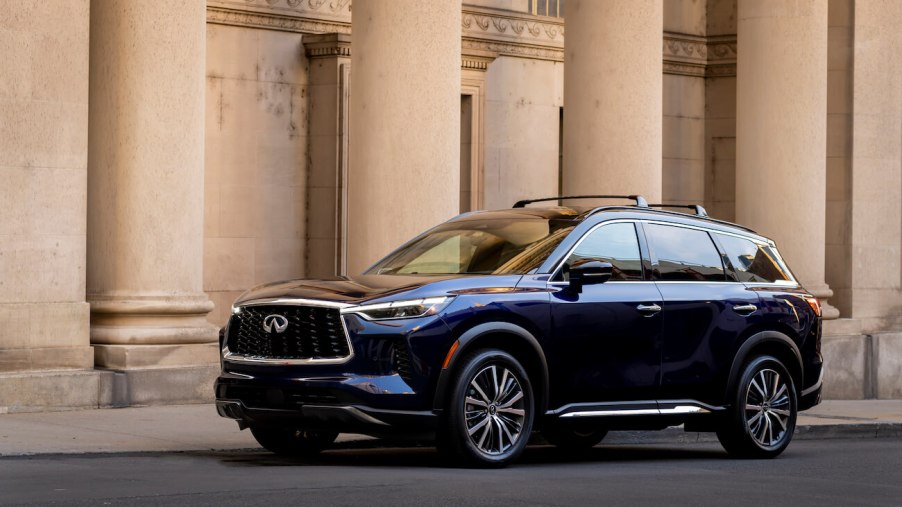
372	405
811	395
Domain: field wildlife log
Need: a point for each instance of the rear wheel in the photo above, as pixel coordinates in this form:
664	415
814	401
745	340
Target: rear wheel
489	413
764	411
292	441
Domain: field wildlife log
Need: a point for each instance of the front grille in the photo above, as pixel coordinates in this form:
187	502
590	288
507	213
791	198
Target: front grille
312	333
264	397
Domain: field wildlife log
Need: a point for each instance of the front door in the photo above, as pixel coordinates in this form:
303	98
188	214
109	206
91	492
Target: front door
607	336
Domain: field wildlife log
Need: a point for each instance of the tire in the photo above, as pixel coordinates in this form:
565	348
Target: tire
489	411
764	409
292	441
573	438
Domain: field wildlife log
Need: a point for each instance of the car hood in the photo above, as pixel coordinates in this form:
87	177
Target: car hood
374	288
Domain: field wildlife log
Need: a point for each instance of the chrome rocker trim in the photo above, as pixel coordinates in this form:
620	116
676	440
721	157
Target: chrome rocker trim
634	408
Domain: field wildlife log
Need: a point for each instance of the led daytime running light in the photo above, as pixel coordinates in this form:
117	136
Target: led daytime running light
399	309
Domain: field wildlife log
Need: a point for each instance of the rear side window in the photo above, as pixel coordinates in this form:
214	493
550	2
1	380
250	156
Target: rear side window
685	255
752	261
614	243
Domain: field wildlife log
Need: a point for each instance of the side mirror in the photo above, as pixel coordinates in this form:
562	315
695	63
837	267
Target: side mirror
589	273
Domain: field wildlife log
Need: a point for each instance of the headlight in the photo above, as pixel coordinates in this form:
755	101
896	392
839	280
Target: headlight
400	309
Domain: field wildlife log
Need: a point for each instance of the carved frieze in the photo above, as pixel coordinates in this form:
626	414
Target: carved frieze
503	32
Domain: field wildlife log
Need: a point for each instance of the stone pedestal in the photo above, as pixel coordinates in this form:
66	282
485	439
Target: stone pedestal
613	98
404	173
781	132
145	217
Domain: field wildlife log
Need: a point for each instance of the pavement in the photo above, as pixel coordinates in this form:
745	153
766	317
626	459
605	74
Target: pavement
181	428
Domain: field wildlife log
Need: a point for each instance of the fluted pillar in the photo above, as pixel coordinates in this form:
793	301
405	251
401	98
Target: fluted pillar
145	184
613	97
781	129
404	170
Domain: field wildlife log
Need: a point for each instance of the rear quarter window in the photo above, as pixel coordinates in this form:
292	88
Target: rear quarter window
754	262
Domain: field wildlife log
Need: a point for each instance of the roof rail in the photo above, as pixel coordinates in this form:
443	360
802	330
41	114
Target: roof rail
699	210
640	201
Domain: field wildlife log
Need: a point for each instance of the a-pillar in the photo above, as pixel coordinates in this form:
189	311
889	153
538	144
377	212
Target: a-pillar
781	129
145	189
613	97
404	173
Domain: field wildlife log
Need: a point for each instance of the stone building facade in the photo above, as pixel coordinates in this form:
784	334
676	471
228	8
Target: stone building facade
159	158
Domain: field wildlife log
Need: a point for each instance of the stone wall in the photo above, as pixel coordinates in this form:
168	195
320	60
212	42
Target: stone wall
256	161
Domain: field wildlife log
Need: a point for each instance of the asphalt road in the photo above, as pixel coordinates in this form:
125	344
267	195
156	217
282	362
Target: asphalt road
813	472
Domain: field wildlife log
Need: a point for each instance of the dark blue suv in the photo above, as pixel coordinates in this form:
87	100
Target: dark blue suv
572	321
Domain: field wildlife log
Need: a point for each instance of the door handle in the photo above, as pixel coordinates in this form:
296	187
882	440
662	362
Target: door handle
745	309
649	310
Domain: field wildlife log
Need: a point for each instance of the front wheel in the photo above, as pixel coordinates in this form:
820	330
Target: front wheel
764	411
292	441
489	413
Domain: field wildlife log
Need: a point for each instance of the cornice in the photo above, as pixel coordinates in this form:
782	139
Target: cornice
497	31
221	16
699	56
327	45
521	28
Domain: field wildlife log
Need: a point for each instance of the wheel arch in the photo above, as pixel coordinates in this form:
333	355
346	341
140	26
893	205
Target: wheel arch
767	342
505	336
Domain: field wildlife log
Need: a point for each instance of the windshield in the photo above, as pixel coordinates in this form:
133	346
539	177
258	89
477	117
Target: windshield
470	247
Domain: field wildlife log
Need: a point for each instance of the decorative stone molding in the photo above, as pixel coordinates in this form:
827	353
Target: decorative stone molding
495	31
692	55
335	10
273	20
722	52
472	59
327	45
496	24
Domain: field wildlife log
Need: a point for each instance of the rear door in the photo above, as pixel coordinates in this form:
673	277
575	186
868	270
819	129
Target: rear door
607	337
705	310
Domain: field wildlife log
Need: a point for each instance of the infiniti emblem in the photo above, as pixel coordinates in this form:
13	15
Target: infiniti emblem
275	323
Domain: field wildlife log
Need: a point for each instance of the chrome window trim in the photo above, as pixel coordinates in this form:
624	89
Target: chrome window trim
231	357
595	227
793	283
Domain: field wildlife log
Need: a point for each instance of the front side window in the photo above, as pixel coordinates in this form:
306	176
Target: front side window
614	243
754	262
483	247
685	254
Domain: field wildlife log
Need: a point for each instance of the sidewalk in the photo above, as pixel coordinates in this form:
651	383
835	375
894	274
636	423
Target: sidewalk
199	428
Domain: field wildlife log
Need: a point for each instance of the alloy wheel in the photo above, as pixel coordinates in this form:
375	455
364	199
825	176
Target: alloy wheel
767	407
494	409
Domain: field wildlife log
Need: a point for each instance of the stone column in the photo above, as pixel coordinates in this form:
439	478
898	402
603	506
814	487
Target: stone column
43	174
613	97
145	185
781	129
405	123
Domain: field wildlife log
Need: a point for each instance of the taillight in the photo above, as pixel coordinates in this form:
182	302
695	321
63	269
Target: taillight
815	305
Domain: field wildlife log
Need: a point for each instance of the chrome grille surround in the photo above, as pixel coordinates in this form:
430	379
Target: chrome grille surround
290	304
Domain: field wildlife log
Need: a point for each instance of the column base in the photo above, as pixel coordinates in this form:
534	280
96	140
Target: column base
151	320
823	293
